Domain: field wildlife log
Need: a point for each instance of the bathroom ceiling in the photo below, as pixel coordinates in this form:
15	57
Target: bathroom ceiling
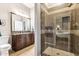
51	5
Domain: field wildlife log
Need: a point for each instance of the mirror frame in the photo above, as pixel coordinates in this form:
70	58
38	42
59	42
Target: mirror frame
24	25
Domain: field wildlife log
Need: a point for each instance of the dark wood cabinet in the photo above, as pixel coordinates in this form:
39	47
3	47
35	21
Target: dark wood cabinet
22	40
17	41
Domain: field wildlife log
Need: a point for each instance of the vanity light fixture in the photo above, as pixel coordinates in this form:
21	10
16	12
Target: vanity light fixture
20	14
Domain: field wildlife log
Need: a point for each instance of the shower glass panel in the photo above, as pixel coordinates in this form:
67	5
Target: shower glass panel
56	34
47	38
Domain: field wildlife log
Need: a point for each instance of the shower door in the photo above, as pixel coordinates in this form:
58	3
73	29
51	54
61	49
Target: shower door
59	42
56	38
47	38
56	33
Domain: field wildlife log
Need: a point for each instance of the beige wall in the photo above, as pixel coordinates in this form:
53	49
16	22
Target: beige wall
50	20
53	13
5	8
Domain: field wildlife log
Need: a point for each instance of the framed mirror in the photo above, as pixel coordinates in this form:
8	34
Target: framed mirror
20	23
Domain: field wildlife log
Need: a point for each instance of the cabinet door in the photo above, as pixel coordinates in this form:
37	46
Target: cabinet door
13	42
29	39
17	42
23	40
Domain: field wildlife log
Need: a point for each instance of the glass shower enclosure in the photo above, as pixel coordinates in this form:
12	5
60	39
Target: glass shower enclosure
56	34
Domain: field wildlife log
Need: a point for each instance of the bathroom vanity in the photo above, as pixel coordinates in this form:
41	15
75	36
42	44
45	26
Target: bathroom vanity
21	32
22	40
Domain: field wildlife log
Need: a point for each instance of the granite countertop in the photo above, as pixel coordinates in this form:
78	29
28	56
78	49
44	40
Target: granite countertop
18	33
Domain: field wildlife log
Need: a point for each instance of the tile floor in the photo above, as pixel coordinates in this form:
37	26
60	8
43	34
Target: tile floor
56	52
28	51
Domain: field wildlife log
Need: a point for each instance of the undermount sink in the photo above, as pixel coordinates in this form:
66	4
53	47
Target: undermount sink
62	33
4	40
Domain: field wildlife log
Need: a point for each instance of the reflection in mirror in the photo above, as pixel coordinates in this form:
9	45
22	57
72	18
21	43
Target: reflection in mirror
20	23
27	25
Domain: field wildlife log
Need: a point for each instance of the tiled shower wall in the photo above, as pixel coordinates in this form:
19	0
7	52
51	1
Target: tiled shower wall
74	36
